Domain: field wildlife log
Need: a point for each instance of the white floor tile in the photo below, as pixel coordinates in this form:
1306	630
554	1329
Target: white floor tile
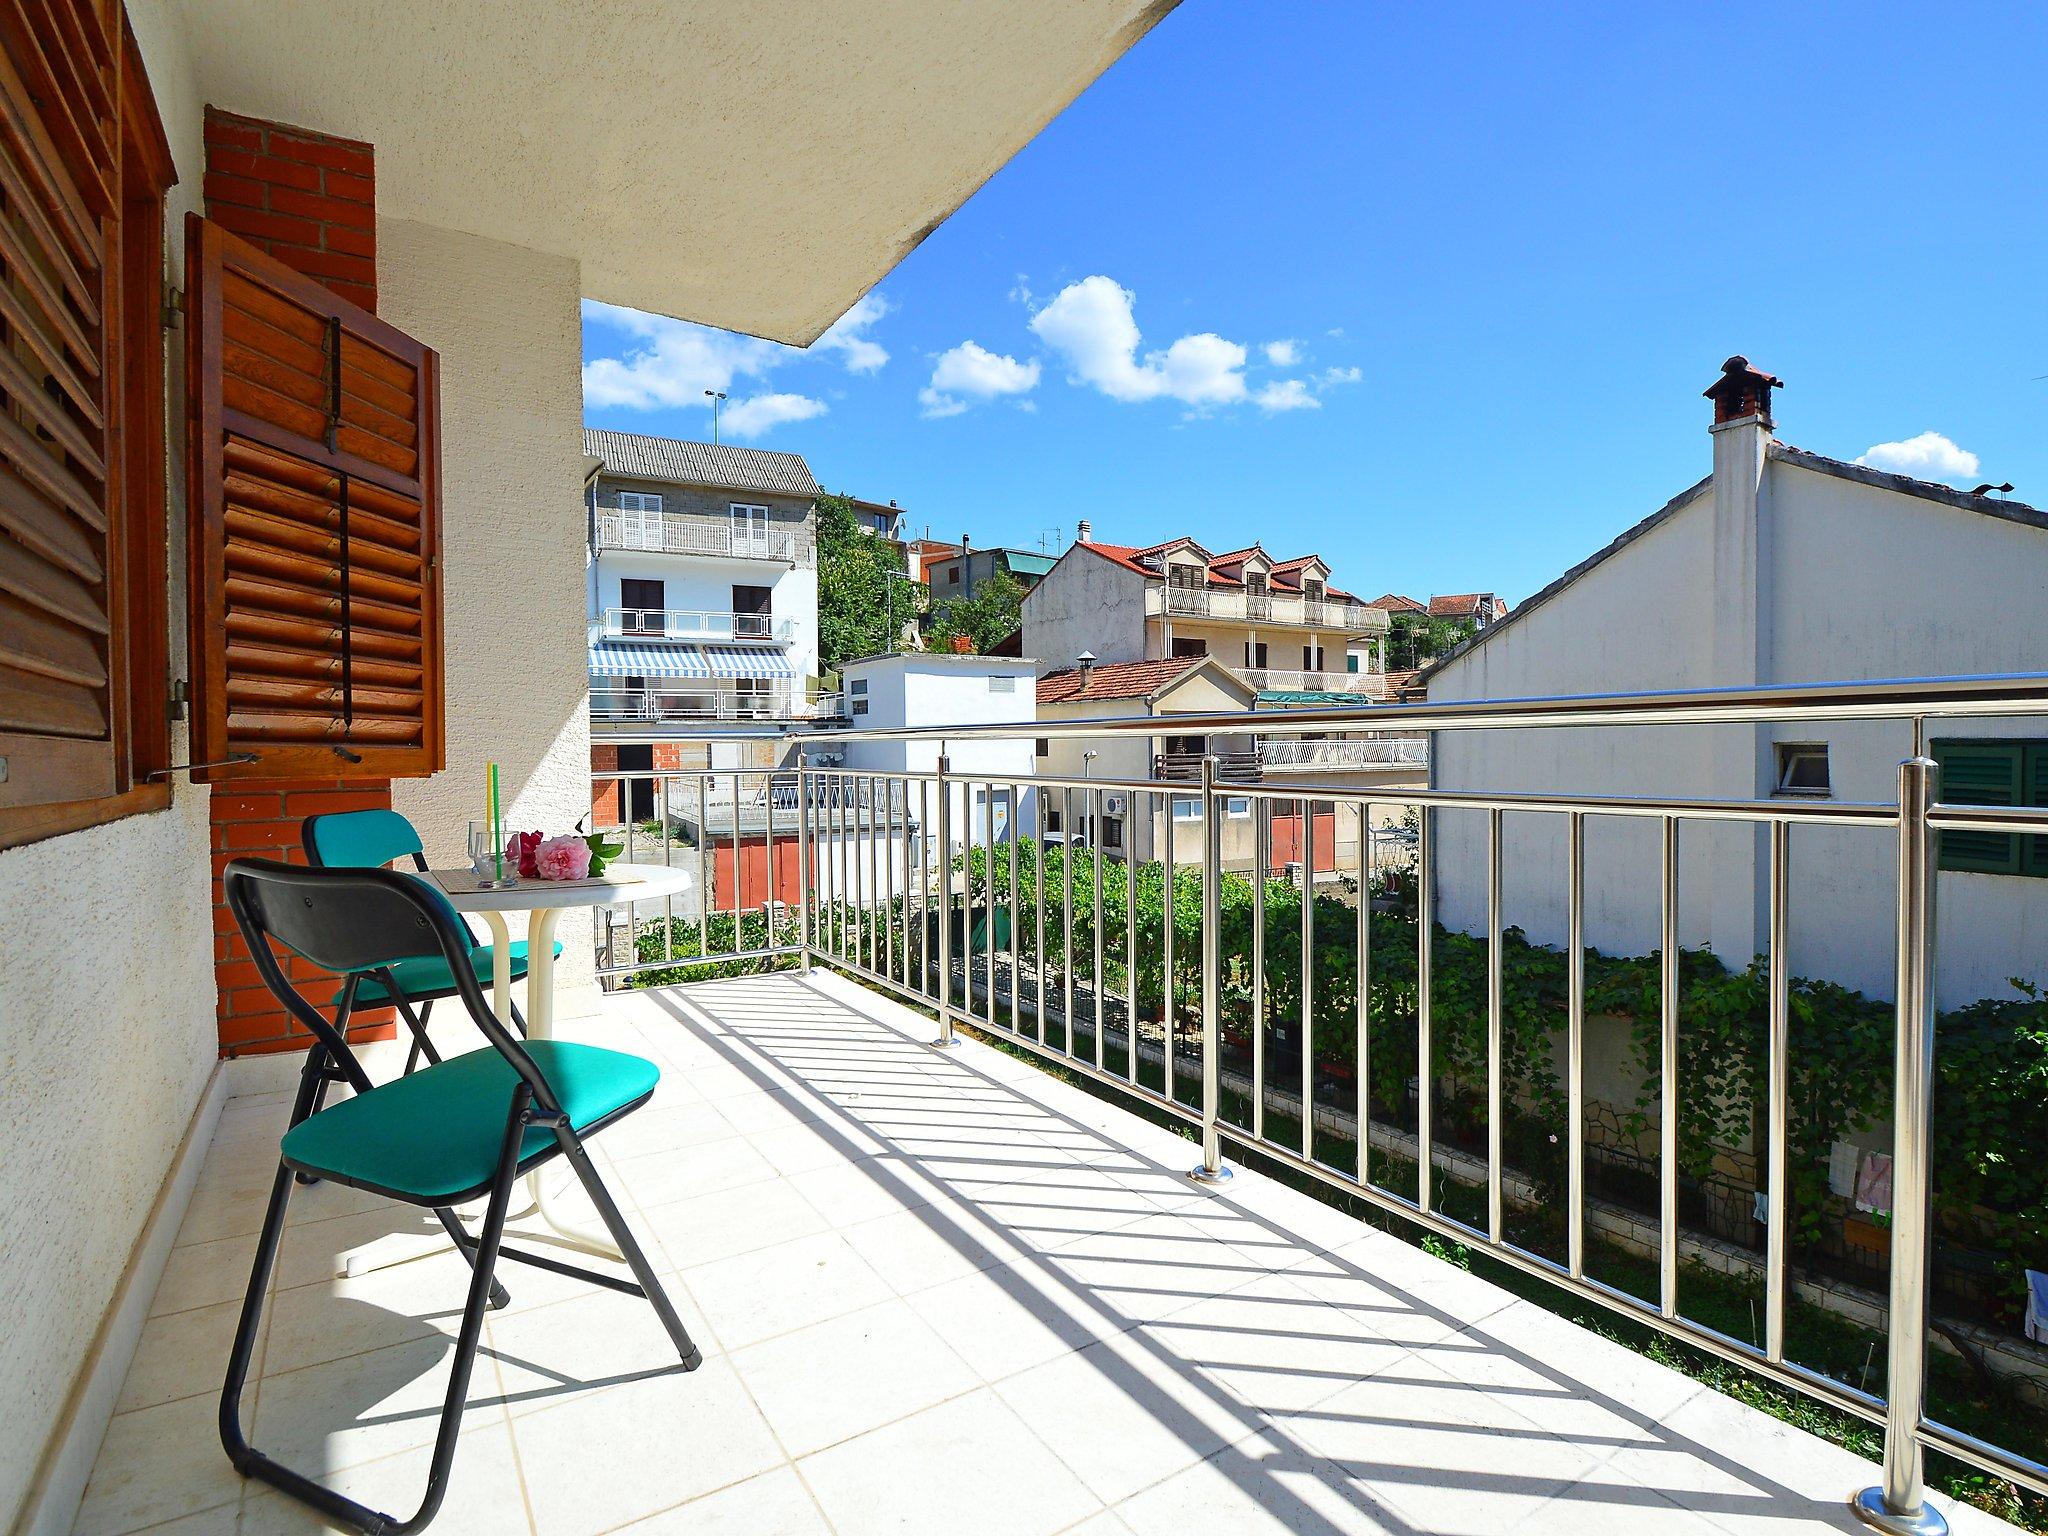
773	1504
771	1291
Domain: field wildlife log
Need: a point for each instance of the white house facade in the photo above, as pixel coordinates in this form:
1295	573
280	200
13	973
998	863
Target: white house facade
1781	567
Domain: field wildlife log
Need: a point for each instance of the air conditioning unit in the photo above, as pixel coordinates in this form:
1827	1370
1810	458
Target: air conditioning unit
1112	805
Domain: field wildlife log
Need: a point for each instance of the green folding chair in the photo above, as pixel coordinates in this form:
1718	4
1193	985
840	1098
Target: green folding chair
454	1131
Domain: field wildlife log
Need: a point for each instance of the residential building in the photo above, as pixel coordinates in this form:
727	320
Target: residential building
923	553
931	690
703	584
882	519
1780	567
1280	624
1482	608
960	568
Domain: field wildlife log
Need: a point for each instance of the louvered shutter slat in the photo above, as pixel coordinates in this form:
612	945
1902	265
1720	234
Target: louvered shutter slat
316	525
56	167
1980	773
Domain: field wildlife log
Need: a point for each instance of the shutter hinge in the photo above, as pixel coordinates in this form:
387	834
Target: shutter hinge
181	695
174	306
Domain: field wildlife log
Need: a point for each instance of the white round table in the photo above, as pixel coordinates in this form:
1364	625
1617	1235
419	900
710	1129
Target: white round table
544	902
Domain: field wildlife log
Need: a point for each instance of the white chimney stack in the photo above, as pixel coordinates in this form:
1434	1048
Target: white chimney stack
1082	530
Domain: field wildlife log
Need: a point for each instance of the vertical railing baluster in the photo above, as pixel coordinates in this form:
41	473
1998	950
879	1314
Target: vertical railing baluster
988	885
1067	918
1038	908
705	894
1495	1041
1095	982
1262	819
1308	974
1778	1116
945	840
1362	1062
806	905
1016	817
1425	945
903	879
739	859
770	901
1166	945
1899	1504
1130	938
1211	1170
1575	1043
1667	1172
924	884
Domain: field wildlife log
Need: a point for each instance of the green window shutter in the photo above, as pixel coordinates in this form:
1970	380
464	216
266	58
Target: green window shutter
1981	773
2035	855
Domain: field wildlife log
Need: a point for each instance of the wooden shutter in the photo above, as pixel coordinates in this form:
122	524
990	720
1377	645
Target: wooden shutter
1980	773
2034	855
316	636
59	663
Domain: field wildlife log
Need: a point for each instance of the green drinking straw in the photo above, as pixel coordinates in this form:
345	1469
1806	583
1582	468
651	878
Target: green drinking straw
497	825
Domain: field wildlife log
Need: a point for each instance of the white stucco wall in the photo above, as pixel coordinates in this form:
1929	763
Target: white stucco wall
931	691
1849	581
694	583
1085	603
107	1033
507	325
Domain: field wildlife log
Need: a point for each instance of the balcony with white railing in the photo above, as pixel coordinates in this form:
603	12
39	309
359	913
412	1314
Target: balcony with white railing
682	533
692	624
1393	752
687	703
1366	685
1278	610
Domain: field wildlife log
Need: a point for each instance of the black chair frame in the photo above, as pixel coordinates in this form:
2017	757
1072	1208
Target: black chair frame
349	921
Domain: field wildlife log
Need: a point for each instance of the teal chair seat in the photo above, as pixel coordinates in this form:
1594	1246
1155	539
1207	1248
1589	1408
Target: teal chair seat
433	1137
428	976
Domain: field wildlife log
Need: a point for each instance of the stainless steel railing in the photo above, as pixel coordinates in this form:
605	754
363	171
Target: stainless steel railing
934	885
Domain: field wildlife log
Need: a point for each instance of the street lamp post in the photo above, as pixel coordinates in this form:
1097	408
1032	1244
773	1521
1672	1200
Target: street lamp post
717	397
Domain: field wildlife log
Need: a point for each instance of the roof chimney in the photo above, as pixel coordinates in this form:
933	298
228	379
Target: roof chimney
966	566
1085	664
1083	531
1742	391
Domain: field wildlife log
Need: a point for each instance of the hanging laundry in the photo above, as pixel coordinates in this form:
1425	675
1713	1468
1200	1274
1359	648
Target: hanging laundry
1842	1169
2037	1306
1874	1182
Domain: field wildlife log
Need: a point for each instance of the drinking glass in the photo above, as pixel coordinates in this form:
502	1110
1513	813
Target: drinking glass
483	852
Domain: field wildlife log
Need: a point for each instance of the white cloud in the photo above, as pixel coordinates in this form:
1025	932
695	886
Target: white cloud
1283	354
761	413
1329	378
971	370
1286	395
847	335
1090	324
1930	456
668	364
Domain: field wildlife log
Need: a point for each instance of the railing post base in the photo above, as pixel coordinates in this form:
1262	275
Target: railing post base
1872	1510
1201	1173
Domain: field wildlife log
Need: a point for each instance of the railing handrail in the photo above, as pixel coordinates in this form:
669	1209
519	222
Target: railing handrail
1986	694
618	622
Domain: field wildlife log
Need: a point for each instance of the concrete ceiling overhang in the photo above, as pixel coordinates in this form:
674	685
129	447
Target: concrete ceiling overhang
751	164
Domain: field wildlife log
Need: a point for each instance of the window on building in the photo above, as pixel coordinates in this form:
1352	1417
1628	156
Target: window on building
1255	653
2000	773
858	687
752	612
642	604
1311	658
1802	769
1052	818
1238	807
1190	647
1113	833
1002	685
1312	589
953	575
1186	809
860	706
1193	746
1043	746
1351	660
749	529
639	501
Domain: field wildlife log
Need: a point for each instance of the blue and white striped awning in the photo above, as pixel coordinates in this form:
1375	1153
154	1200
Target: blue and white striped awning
746	661
628	658
642	658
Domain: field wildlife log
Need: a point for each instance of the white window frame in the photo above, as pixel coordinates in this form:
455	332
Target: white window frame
749	527
640	501
1187	807
1237	807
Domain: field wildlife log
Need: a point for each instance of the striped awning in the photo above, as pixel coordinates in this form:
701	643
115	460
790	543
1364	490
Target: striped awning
631	658
643	658
746	661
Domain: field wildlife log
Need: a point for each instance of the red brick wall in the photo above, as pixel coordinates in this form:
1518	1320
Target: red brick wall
303	197
604	793
310	201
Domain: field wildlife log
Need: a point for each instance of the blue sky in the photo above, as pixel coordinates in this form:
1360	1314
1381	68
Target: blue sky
1434	290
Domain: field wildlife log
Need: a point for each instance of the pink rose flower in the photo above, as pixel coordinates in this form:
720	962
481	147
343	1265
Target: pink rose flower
519	854
562	858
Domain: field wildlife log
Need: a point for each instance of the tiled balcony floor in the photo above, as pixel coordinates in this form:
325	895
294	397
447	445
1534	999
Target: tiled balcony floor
935	1294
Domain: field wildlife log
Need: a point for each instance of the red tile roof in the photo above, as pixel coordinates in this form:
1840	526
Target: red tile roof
1459	604
1394	602
1400	684
1114	680
1286	573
